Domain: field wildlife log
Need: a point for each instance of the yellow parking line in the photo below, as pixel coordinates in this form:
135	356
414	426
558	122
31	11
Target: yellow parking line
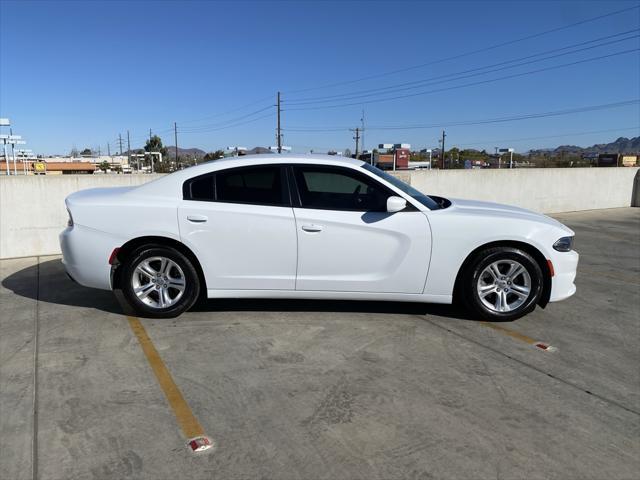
518	336
187	421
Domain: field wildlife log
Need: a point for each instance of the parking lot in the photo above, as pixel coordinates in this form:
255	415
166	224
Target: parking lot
335	390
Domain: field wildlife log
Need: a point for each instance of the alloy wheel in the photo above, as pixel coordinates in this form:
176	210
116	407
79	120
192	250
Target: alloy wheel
504	286
158	282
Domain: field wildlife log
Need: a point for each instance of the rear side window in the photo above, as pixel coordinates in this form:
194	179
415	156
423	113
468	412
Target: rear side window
201	188
335	188
255	185
252	185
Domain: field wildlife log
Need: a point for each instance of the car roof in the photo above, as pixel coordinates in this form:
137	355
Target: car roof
278	158
166	184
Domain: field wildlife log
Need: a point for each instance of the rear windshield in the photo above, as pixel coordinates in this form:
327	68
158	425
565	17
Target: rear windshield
426	200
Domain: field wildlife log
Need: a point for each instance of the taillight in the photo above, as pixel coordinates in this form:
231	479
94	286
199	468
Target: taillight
70	221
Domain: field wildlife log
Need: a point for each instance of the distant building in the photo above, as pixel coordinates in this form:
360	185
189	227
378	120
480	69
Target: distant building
617	160
49	168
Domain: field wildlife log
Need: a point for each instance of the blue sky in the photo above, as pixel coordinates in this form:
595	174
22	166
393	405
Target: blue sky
80	73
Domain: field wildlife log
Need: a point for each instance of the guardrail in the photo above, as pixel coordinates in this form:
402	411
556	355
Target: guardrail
32	211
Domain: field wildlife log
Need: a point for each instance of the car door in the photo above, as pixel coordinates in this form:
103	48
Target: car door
346	239
240	224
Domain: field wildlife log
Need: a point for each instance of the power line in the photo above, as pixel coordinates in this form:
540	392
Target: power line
481	82
197	128
234	125
513	140
431	80
525	116
217	115
466	54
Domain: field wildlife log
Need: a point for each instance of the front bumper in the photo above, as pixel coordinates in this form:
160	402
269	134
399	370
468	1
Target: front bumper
85	255
565	265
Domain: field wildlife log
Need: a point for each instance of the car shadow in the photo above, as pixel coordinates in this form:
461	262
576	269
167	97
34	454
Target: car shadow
49	283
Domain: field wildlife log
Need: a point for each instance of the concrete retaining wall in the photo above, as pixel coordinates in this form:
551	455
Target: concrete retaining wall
32	211
547	190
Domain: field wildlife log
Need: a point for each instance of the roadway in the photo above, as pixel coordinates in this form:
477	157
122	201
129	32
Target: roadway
335	390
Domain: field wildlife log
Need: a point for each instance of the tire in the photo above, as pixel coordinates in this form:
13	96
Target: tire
159	282
505	294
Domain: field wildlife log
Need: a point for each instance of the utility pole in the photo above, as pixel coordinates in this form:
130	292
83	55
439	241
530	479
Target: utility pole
279	134
175	133
443	150
108	149
13	151
120	142
362	128
149	135
357	139
128	149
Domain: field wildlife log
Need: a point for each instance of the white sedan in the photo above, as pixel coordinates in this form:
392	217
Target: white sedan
311	227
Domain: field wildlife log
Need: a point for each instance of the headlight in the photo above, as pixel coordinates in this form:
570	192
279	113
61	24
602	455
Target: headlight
70	221
565	244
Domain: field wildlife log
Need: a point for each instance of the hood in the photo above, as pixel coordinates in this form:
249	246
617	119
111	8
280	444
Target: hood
496	210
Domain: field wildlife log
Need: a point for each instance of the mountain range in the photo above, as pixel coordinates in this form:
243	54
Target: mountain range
621	145
186	152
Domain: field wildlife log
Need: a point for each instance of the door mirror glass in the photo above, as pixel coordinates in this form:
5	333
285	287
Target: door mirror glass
395	204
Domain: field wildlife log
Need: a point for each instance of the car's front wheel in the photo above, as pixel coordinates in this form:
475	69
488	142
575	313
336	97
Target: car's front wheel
159	282
502	283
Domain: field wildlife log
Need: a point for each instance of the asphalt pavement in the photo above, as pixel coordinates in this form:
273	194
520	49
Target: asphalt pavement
325	390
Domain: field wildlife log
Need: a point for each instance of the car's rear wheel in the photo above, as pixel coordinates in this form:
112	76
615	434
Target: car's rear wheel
502	284
159	282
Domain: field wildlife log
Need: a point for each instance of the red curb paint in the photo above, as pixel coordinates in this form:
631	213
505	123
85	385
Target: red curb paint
200	444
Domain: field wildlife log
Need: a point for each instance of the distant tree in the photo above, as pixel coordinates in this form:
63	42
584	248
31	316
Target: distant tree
213	155
74	153
154	144
346	153
104	166
86	152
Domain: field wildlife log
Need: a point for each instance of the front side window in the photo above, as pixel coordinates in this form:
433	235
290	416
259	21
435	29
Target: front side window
335	188
255	185
426	200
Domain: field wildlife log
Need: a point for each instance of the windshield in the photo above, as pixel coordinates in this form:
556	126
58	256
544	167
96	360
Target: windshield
427	201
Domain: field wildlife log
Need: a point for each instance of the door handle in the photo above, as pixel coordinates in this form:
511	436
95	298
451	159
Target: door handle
312	228
197	218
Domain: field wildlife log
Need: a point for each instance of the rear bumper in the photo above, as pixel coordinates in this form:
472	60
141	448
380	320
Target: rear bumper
85	255
565	265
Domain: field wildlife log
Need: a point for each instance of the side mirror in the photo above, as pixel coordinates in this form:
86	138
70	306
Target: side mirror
395	204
